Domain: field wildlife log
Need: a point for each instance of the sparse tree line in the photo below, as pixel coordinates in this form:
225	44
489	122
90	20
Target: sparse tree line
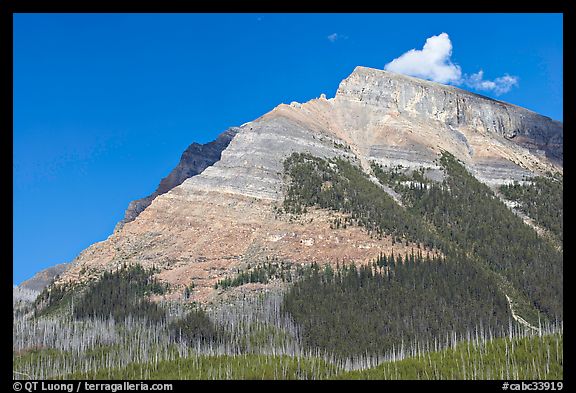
541	199
260	273
338	185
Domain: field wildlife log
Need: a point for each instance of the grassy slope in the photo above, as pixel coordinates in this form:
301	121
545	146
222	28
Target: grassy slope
529	358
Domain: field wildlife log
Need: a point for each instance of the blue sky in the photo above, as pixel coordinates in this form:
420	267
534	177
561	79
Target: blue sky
104	104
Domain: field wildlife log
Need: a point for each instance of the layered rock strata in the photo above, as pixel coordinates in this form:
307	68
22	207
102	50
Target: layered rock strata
222	218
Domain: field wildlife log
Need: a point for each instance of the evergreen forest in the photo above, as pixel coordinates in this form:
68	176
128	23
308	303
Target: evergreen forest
541	198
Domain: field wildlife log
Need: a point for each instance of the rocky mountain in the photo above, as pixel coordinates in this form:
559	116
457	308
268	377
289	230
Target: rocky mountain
215	213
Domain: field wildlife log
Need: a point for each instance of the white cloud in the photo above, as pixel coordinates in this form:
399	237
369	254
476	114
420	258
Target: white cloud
336	36
499	85
431	62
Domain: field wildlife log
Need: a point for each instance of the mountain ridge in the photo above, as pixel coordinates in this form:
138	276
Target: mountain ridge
193	161
412	79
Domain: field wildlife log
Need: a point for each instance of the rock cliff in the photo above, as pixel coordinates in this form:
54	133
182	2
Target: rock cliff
404	96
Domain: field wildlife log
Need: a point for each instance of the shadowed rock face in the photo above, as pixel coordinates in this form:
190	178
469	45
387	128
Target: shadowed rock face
214	213
194	160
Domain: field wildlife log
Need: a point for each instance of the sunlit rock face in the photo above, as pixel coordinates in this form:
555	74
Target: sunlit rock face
429	102
405	119
215	212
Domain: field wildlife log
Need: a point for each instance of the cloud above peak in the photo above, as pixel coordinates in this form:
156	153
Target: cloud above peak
434	62
499	85
431	62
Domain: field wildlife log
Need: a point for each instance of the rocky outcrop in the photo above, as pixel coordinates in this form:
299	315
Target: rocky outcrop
196	158
375	116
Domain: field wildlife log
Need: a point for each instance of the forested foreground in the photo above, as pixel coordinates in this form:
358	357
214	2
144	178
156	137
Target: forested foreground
378	326
519	355
520	358
440	312
528	358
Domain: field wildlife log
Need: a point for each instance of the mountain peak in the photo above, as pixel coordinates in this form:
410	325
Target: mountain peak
437	105
373	76
369	72
215	211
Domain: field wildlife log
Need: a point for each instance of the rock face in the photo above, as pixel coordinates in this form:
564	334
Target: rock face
396	119
203	224
404	96
194	160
